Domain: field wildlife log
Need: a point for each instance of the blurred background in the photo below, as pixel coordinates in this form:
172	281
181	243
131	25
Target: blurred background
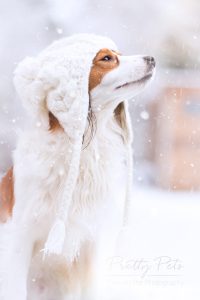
166	121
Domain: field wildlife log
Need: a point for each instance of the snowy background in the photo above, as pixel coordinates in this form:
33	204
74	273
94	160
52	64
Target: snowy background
164	224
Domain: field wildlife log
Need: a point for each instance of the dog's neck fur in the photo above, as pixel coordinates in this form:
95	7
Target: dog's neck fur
107	119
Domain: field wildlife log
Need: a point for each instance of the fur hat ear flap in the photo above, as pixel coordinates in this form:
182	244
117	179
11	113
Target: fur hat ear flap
31	90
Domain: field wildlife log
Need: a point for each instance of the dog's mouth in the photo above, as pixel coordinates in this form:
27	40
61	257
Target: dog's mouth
139	81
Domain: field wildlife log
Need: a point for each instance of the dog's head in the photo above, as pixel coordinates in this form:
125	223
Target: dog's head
115	78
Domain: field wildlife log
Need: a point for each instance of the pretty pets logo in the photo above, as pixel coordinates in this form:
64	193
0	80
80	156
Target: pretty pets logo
158	267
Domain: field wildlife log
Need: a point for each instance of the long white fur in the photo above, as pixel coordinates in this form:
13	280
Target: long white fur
96	211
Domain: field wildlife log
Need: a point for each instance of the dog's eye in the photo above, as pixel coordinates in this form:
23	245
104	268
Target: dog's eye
107	58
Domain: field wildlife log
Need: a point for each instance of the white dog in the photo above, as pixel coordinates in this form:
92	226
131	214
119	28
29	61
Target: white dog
72	167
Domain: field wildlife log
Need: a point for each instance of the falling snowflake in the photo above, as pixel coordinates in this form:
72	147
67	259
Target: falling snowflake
144	115
59	30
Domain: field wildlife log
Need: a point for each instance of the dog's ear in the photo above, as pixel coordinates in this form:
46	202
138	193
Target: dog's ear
123	119
6	196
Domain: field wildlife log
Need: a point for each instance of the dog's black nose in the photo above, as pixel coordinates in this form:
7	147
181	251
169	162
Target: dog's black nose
150	60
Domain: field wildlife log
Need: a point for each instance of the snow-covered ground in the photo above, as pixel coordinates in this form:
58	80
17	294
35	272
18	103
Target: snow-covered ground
159	255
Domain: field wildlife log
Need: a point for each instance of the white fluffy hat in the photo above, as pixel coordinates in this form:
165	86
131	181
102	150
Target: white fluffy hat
57	80
60	72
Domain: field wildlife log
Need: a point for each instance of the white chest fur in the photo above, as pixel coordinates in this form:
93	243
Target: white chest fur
41	162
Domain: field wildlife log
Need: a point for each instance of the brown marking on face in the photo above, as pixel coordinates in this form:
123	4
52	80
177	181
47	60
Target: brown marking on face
54	125
6	196
105	61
